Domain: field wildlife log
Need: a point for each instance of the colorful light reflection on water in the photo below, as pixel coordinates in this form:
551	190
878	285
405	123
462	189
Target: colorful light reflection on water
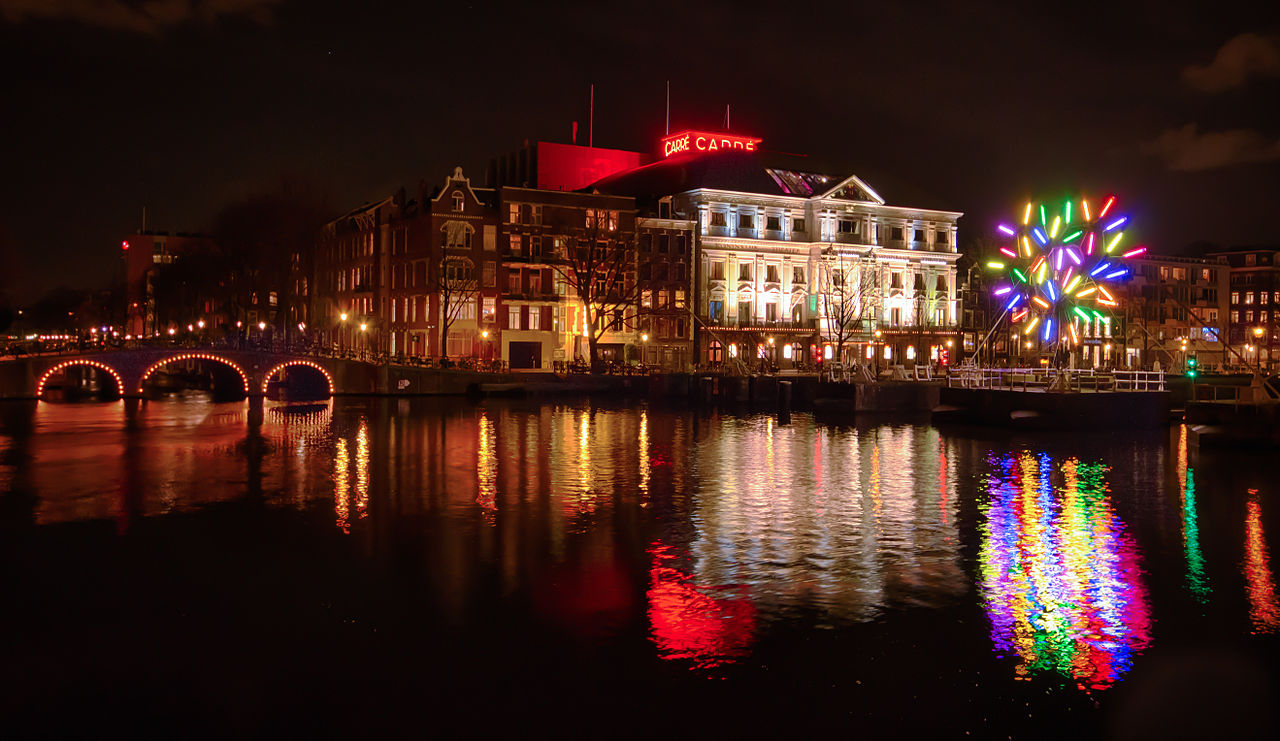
1061	581
1197	582
1264	612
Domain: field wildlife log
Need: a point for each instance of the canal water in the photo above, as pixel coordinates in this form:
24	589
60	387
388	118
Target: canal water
403	567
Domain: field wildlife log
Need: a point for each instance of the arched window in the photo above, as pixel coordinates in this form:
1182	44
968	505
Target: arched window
456	235
459	201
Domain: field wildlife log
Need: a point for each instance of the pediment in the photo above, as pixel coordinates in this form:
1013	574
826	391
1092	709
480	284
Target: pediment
855	190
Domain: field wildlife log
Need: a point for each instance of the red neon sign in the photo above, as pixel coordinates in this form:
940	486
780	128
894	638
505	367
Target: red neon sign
701	141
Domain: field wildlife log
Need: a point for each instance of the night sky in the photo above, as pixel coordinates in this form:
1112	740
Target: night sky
186	105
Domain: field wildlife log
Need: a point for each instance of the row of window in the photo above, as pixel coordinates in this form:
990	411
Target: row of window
1262	296
666	299
664	243
353	246
1263	316
662	271
746	270
848	226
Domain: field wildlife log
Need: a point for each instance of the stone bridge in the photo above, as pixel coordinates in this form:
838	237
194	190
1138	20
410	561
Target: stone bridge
25	378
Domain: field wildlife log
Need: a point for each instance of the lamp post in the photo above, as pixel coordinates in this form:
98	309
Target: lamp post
363	342
342	331
1257	333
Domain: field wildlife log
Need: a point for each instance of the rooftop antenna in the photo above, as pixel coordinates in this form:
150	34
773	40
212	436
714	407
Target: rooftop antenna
591	121
726	116
668	133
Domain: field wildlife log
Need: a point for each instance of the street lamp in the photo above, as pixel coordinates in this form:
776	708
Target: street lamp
200	324
262	326
363	345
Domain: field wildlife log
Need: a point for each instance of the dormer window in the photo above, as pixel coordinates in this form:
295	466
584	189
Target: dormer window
459	201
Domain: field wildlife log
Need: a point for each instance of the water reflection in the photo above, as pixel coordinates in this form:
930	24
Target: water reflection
800	523
692	537
1264	613
486	468
1060	577
1197	582
706	626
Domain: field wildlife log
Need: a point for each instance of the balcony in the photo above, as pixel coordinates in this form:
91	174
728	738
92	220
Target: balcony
766	324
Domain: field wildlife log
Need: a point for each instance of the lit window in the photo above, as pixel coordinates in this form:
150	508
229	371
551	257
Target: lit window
535	318
459	202
489	308
513	213
513	317
517	246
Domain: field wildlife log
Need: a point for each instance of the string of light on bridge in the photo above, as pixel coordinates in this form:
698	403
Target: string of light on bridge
310	364
244	379
79	361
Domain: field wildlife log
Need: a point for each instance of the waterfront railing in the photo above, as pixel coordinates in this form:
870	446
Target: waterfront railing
1056	379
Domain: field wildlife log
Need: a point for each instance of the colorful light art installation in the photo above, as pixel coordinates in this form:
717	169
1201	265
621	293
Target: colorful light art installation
1061	264
1060	578
1264	611
691	623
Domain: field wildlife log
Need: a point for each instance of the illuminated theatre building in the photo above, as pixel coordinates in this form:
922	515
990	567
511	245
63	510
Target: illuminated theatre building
780	250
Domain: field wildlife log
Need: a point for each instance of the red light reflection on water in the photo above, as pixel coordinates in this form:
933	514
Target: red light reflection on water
1264	612
691	625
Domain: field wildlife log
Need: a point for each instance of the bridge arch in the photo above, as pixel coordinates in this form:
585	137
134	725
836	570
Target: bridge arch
328	377
44	378
244	378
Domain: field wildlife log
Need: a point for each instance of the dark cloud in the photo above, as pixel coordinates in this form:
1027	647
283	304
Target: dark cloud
1187	150
1247	55
149	17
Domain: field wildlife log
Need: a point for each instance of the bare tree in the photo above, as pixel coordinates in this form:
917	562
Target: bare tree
849	292
457	286
598	263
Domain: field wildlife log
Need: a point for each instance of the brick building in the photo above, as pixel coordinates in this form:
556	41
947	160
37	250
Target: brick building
1254	299
143	253
1172	308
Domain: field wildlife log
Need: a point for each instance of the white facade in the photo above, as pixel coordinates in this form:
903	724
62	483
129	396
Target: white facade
767	262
